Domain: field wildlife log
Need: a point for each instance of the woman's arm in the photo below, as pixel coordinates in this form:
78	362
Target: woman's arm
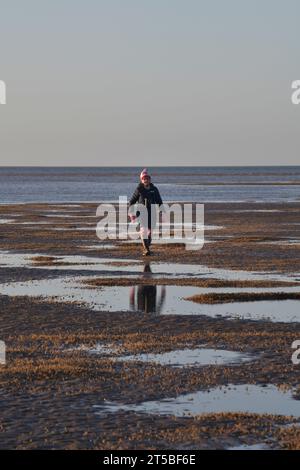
134	198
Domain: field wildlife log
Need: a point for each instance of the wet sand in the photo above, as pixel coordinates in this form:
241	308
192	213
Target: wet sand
54	380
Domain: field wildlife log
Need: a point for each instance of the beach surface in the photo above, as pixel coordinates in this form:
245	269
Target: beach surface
183	350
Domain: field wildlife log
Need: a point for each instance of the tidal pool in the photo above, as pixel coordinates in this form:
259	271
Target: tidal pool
137	266
191	357
152	299
224	399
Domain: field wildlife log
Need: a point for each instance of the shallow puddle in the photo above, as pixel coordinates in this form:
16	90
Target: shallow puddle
170	300
100	349
66	205
124	235
87	263
168	241
100	246
256	210
35	222
191	357
151	299
282	242
259	446
225	399
67	216
70	262
270	310
7	221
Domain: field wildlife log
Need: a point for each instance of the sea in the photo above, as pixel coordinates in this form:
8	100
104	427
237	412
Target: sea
203	184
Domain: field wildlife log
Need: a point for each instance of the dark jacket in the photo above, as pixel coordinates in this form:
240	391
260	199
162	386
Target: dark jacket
146	196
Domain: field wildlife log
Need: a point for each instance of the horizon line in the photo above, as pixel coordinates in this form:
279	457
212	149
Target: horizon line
151	166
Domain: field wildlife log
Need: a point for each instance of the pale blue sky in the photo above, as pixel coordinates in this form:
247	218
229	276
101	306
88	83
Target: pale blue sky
149	82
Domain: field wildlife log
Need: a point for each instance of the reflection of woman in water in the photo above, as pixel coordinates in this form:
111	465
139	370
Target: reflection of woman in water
147	300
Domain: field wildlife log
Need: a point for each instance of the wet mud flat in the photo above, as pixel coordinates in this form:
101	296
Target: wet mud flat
102	377
242	235
50	376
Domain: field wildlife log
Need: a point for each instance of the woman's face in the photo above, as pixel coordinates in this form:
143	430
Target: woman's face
146	181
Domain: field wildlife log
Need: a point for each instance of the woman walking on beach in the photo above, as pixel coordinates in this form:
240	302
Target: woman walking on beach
147	194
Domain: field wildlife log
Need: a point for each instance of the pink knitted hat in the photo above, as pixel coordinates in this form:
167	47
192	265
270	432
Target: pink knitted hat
144	173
